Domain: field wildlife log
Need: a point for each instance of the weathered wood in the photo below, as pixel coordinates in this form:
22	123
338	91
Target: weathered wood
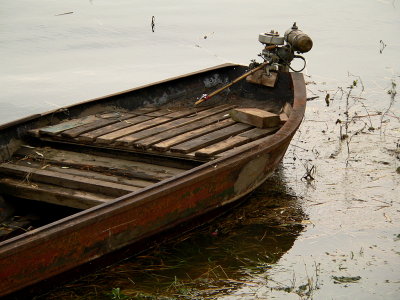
256	117
221	146
249	144
287	109
129	139
148	157
101	122
235	141
67	180
111	137
261	77
56	129
283	117
181	138
170	133
140	183
92	135
177	118
101	164
257	133
210	138
52	194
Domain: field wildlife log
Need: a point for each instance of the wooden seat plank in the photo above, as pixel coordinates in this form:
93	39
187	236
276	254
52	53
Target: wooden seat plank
210	138
167	144
92	135
180	120
52	194
53	130
67	180
112	136
168	134
221	146
257	133
140	183
235	141
253	135
84	161
99	123
56	129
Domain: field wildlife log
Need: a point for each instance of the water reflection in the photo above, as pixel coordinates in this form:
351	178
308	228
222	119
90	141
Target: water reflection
214	260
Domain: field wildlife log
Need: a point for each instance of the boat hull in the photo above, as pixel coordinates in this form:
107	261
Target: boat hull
86	236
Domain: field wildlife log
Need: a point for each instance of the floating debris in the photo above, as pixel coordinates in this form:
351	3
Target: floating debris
67	13
346	279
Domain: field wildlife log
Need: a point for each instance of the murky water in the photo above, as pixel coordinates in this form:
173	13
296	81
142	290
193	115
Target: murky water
334	237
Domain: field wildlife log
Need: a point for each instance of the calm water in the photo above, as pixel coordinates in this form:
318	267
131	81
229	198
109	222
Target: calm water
338	236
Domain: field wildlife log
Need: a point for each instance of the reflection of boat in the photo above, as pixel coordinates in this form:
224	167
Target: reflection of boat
135	164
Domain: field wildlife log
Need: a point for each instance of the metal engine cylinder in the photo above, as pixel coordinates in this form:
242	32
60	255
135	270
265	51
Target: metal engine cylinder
300	41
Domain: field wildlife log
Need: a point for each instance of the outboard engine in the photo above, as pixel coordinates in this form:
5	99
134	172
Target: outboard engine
278	56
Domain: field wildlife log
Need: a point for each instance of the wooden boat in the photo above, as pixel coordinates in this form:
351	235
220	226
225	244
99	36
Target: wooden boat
110	172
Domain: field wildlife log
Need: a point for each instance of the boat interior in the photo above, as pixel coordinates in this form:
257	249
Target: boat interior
90	154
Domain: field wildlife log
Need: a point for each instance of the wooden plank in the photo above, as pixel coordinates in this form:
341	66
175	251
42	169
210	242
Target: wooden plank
112	136
167	144
131	169
56	129
283	117
287	109
172	132
256	117
210	138
235	141
221	146
90	174
257	133
250	144
67	180
101	122
178	121
92	135
52	194
148	157
177	118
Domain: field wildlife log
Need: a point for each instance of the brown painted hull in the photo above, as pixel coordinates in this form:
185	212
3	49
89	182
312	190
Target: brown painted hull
63	245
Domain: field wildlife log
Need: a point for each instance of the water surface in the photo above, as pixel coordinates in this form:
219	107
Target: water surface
338	237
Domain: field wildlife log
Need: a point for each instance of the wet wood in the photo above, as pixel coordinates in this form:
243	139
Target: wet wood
127	140
235	141
210	138
181	138
256	117
176	119
283	117
74	132
221	146
84	173
66	180
287	109
147	157
111	137
52	194
132	169
92	135
257	133
199	123
56	129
